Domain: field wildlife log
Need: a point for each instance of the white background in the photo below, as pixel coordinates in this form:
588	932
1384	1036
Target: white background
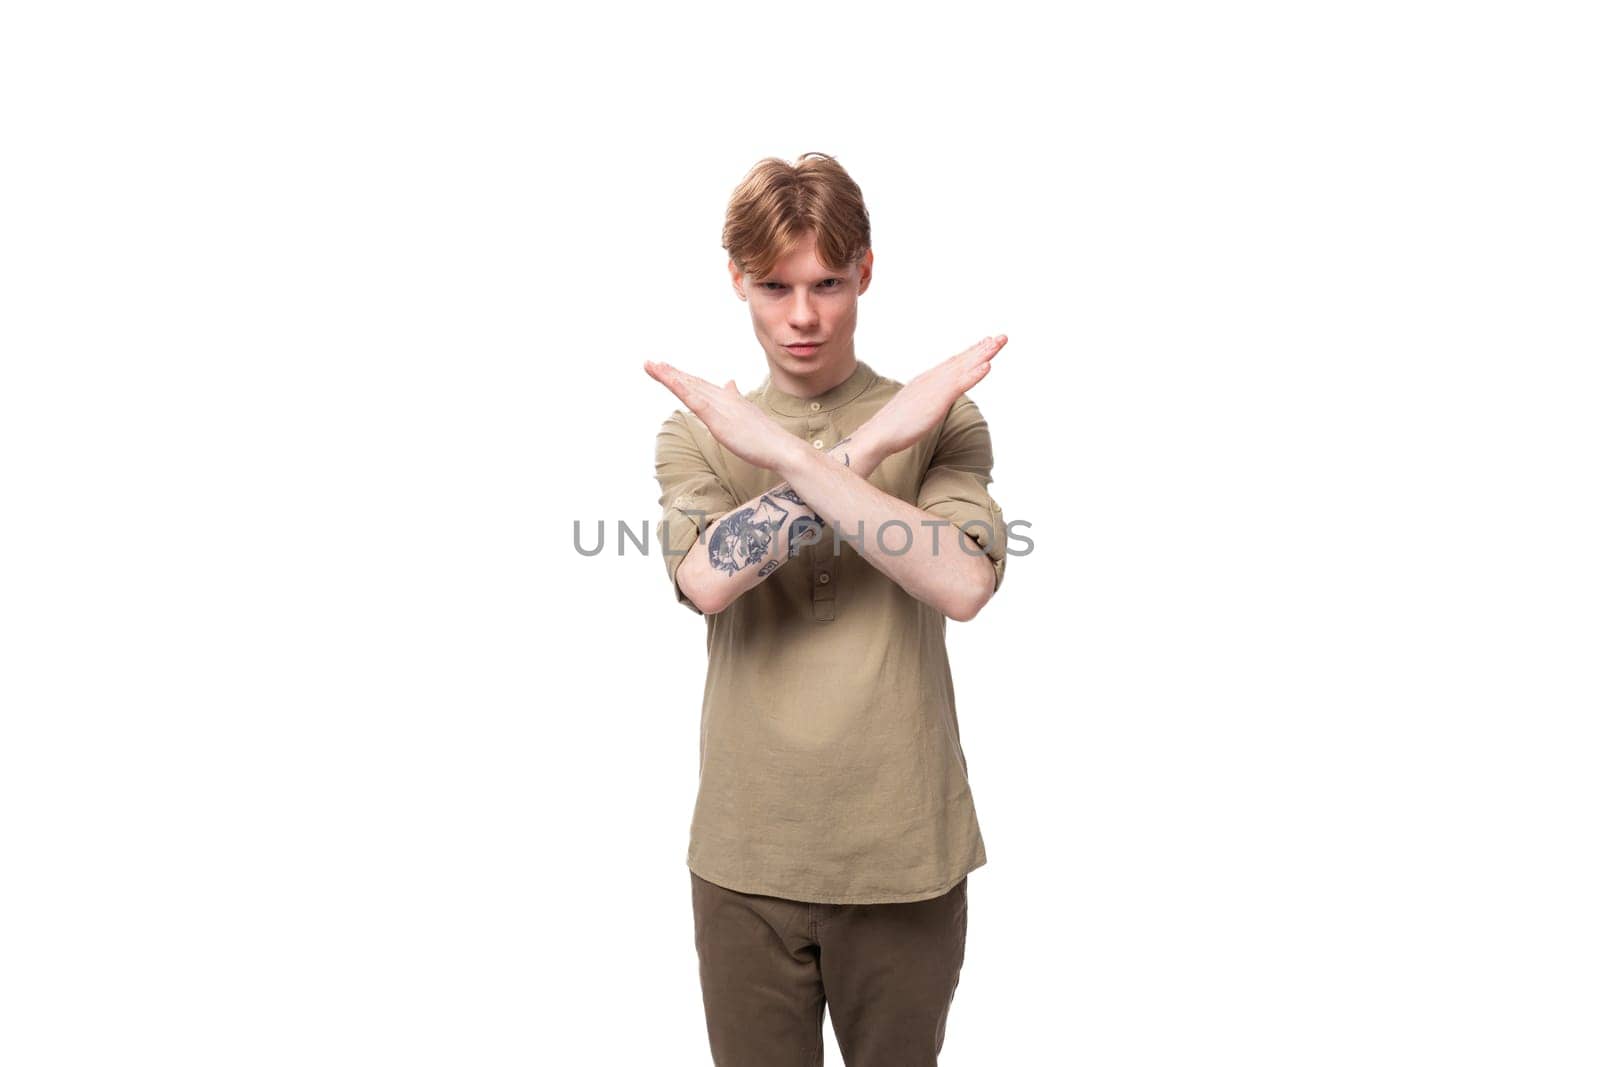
322	323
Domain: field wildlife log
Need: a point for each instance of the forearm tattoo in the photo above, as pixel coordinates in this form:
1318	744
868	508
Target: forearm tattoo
804	530
745	537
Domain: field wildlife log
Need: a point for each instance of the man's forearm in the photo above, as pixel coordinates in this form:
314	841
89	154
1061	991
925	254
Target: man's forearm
925	555
744	547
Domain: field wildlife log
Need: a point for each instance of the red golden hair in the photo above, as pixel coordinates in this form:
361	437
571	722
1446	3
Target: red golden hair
778	203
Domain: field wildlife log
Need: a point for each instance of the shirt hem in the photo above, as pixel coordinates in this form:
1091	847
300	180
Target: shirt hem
740	885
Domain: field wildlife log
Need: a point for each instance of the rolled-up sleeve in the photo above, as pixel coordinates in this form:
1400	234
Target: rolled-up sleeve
956	486
692	496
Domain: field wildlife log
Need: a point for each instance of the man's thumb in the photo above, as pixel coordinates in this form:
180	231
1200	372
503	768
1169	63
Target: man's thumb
730	387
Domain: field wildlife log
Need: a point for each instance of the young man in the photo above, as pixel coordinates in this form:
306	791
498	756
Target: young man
845	517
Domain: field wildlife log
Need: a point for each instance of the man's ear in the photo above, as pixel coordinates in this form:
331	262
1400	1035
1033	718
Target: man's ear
866	271
737	276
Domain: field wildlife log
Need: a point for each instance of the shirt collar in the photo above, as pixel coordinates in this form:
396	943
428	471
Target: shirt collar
783	403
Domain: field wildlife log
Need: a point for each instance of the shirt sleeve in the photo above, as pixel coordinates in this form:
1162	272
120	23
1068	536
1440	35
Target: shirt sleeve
956	486
689	486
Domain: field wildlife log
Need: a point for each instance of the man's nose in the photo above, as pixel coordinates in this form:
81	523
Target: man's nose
801	312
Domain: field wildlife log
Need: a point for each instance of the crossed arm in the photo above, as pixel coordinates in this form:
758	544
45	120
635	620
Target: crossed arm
749	543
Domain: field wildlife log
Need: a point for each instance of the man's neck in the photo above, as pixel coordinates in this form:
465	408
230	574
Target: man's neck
811	386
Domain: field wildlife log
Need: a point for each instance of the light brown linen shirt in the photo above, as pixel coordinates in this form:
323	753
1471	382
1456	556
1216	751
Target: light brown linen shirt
831	767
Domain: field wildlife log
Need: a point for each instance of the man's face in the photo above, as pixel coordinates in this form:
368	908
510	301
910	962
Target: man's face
803	300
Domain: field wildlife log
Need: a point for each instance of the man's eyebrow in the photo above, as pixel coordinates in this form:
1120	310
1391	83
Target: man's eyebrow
823	278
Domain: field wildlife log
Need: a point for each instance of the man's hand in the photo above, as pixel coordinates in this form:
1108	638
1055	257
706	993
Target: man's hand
740	426
918	407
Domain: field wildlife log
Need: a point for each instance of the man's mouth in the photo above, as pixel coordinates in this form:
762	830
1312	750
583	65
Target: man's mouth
803	346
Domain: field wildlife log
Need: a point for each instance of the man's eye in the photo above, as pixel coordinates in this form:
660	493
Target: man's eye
830	283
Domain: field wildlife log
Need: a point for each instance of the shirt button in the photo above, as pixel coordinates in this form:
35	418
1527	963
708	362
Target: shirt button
822	579
816	406
817	443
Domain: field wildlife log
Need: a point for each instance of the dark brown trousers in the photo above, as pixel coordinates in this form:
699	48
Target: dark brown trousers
887	973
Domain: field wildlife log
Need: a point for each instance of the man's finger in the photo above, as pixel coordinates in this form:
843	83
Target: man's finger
667	375
692	381
696	393
675	378
658	372
969	353
674	382
989	348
